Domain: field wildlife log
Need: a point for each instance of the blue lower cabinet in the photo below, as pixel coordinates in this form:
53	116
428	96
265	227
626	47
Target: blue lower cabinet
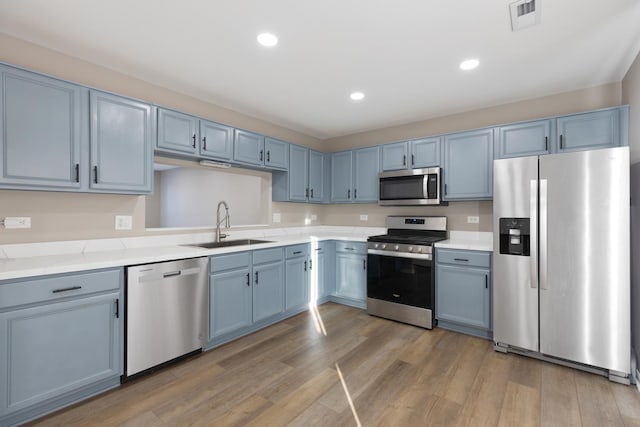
230	301
463	291
297	276
351	273
61	344
268	287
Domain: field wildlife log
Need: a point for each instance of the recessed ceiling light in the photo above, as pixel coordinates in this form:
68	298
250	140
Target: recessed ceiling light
356	96
469	64
267	39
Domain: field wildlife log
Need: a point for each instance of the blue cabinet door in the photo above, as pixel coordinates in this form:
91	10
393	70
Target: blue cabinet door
468	165
351	276
248	147
341	177
57	348
40	131
316	176
230	302
268	290
463	296
216	140
365	175
296	282
394	156
425	153
121	147
276	154
177	132
598	129
298	173
524	139
321	270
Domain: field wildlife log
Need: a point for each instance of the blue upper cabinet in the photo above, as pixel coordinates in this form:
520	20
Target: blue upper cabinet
317	166
248	147
365	174
177	132
468	165
354	175
394	156
341	177
299	174
216	140
121	145
40	119
276	154
424	153
419	153
587	131
524	139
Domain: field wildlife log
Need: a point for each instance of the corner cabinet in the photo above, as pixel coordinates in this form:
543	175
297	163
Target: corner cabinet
463	291
468	165
121	144
354	175
305	179
62	341
40	127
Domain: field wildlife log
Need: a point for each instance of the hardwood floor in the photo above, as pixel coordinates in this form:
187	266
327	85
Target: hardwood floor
366	371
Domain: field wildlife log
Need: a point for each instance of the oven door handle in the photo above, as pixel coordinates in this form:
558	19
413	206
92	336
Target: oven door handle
428	257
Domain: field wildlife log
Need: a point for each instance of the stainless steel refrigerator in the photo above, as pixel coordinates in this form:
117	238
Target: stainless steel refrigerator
561	259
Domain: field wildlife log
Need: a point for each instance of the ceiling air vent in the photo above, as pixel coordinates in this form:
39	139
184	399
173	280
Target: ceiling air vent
524	14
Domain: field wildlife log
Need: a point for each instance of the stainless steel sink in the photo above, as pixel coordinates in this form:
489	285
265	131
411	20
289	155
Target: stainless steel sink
224	244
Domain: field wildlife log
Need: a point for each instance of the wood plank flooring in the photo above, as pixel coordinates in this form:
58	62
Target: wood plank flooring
366	371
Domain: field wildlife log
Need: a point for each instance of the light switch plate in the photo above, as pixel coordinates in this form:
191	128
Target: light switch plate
124	222
314	217
364	217
473	219
276	217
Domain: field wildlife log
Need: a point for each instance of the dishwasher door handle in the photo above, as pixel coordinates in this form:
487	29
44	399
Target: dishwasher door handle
171	274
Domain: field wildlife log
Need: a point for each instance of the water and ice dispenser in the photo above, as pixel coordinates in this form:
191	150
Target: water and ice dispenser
514	236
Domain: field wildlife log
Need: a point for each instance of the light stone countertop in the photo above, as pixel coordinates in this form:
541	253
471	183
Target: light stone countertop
469	240
38	259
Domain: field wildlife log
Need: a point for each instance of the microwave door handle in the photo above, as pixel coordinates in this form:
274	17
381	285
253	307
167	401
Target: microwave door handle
425	186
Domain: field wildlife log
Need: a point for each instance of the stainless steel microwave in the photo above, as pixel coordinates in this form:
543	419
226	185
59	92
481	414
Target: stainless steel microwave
410	187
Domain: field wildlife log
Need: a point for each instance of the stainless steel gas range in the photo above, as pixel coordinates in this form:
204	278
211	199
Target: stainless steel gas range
400	274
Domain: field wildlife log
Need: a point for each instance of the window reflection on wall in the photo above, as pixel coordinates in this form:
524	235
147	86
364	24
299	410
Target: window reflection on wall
188	196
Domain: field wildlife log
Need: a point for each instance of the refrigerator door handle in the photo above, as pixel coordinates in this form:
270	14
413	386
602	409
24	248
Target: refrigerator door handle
543	235
533	203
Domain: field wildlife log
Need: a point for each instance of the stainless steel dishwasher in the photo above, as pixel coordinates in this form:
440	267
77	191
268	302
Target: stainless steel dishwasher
166	312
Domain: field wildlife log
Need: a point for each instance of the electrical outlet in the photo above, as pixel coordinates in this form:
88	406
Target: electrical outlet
124	222
364	217
276	217
473	219
17	222
314	217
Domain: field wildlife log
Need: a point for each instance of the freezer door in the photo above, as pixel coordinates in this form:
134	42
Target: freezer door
584	237
515	284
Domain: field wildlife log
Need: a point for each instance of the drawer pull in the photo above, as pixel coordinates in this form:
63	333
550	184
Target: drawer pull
461	259
72	288
349	249
297	252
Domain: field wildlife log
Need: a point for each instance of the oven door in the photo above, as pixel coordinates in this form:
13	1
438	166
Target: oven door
406	279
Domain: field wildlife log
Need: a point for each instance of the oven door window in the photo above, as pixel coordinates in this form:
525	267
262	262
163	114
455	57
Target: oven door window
401	280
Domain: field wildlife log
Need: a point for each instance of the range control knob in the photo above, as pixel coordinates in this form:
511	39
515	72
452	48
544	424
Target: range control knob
419	249
375	245
410	249
384	246
397	247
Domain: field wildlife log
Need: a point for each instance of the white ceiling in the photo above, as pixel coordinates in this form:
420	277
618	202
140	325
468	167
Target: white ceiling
403	54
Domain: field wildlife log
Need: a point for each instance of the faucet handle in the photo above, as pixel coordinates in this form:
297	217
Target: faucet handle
222	236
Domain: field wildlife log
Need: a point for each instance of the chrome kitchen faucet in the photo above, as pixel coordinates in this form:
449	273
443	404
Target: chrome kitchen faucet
219	221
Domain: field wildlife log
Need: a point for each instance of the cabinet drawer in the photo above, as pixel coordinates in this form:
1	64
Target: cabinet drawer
297	250
43	289
474	258
229	262
351	247
267	255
